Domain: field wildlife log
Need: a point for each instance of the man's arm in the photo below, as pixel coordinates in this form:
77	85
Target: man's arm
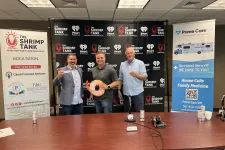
143	73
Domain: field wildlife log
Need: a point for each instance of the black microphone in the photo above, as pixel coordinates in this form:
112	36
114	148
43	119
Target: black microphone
130	117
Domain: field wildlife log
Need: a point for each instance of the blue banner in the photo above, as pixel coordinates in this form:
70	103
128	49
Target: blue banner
193	66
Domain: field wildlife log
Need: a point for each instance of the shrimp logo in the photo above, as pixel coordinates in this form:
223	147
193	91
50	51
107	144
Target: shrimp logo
11	39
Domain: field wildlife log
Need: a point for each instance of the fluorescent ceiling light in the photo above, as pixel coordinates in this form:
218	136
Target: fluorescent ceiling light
38	3
132	3
219	4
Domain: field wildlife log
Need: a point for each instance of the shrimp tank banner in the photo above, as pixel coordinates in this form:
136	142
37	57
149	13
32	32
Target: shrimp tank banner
193	66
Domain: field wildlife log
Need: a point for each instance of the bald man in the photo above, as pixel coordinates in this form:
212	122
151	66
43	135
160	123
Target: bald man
132	74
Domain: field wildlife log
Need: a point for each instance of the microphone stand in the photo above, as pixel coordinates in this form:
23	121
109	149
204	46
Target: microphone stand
130	117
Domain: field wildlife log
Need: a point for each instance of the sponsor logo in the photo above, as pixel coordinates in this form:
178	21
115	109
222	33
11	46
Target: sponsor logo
157	31
92	31
11	39
144	31
160	48
60	30
58	47
90	65
156	65
193	31
150	48
110	31
75	30
126	31
150	84
153	100
83	49
16	89
117	49
63	48
162	82
100	48
8	74
37	88
20	43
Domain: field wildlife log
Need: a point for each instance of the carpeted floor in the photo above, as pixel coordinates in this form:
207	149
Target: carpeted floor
1	120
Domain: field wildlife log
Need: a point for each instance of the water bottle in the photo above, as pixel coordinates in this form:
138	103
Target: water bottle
34	116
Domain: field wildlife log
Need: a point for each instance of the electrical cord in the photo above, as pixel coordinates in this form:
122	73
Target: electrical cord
153	135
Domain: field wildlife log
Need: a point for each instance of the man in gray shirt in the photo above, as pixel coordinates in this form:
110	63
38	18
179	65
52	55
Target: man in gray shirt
107	75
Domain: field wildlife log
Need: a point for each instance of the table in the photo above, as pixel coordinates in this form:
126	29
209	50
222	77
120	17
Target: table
108	132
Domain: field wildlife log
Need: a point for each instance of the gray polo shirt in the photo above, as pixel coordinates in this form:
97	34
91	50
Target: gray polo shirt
107	75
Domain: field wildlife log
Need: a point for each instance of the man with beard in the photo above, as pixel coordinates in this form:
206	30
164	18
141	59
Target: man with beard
70	79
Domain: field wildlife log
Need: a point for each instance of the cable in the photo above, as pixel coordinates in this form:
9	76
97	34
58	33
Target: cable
153	135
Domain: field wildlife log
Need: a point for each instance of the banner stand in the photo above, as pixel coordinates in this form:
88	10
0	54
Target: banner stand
167	66
52	60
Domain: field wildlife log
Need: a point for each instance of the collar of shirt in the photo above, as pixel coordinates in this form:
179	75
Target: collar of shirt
72	68
131	61
102	67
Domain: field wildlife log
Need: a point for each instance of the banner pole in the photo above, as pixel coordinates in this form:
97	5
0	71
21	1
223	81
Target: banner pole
54	97
167	67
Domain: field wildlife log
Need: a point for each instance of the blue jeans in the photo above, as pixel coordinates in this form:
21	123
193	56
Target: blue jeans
73	109
137	102
103	106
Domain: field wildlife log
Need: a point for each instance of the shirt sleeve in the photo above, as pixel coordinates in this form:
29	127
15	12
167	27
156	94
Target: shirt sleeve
143	69
120	72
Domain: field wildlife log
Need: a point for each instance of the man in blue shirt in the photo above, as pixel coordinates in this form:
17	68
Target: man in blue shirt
132	74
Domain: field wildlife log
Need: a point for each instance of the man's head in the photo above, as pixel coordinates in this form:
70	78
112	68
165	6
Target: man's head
72	60
130	54
100	58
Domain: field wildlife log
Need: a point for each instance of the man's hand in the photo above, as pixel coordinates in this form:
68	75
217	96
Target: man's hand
60	73
103	86
120	94
133	74
91	97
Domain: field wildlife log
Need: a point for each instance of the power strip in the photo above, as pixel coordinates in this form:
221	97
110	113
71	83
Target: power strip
131	128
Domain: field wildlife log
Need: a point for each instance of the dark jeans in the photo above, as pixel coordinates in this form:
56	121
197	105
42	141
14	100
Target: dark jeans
103	106
137	102
73	109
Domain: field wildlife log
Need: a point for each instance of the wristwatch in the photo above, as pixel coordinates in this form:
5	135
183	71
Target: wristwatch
108	86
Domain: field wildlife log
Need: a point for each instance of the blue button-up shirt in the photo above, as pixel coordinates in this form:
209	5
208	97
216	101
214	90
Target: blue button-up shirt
77	86
132	85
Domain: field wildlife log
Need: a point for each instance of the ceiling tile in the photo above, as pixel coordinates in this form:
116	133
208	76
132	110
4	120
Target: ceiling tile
100	13
205	13
160	4
127	13
4	15
22	14
101	4
147	19
123	19
198	4
101	18
74	12
180	12
171	20
46	13
11	4
62	4
153	13
192	19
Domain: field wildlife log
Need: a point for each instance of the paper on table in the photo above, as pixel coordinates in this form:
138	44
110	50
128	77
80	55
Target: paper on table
6	132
